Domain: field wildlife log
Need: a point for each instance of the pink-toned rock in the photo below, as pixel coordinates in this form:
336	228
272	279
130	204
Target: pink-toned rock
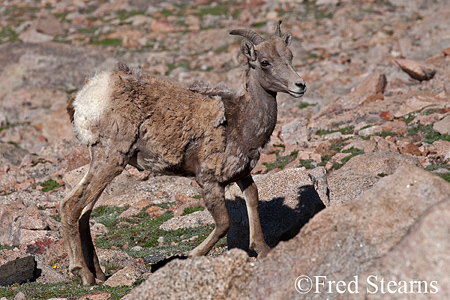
361	172
268	158
57	126
77	157
420	255
427	119
371	85
415	101
415	69
374	84
47	23
164	26
441	148
155	211
379	233
125	277
394	126
442	126
56	254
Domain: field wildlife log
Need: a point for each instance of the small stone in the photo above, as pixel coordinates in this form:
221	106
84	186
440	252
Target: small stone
155	211
411	149
416	70
370	131
386	115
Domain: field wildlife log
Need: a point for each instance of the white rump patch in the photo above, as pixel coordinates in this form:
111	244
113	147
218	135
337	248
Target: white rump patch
89	104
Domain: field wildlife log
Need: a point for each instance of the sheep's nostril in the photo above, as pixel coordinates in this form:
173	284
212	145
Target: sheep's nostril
301	85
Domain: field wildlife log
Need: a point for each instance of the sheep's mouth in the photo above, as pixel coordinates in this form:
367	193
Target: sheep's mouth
296	94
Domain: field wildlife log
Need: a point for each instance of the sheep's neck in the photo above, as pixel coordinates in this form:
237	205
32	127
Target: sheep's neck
259	112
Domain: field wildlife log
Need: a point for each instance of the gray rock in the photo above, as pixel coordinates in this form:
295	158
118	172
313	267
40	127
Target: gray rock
428	263
195	219
340	242
19	270
288	200
11	155
344	241
362	172
224	277
125	277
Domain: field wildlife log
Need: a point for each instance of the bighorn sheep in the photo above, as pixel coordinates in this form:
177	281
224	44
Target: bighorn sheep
156	124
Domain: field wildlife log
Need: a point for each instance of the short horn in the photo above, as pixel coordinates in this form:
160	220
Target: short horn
278	30
249	34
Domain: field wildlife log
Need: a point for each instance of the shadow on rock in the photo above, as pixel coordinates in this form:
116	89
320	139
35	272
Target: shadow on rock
280	221
161	263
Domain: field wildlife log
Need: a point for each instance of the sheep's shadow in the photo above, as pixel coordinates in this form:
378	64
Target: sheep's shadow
279	222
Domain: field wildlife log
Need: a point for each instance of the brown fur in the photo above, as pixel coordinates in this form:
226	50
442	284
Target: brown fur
71	109
154	123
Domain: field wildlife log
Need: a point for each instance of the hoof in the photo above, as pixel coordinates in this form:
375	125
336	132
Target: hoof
262	250
87	278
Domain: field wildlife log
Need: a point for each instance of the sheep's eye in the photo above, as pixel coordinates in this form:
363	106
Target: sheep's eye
265	63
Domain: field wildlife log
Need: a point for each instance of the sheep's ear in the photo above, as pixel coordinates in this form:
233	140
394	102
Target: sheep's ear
287	38
248	50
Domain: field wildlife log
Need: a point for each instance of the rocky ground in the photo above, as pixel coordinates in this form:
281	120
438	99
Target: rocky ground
353	184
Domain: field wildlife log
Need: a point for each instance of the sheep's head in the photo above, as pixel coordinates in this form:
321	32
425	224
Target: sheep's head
271	59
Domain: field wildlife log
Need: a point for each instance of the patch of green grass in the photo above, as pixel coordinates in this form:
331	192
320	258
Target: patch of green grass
337	147
281	161
49	185
123	15
429	135
88	30
308	164
409	117
6	247
107	42
166	205
69	290
143	230
217	10
107	215
259	25
345	130
8	35
305	105
353	151
192	210
445	176
385	134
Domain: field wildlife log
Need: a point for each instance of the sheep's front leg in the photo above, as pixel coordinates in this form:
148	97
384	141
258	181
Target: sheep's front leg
75	210
214	198
257	242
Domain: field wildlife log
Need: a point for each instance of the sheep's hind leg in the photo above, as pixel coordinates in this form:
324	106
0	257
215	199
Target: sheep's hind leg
214	197
75	210
257	242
